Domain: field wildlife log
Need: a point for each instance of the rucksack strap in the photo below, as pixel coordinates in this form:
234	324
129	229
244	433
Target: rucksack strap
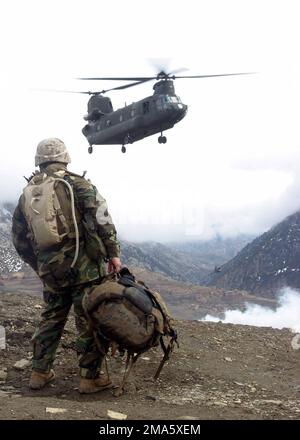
130	363
74	219
167	352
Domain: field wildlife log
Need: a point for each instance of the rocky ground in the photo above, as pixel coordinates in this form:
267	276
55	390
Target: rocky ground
219	372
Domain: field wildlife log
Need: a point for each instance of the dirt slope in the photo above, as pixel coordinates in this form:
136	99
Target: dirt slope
219	372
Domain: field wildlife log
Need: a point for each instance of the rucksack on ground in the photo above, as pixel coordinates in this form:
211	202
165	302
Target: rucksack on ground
129	314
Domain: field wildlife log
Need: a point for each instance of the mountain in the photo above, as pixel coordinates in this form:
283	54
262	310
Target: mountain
268	263
213	252
9	259
157	257
187	262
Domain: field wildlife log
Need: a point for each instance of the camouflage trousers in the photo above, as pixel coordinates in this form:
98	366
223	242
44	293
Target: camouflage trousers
48	333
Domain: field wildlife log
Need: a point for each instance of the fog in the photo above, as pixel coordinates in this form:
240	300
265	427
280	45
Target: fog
286	315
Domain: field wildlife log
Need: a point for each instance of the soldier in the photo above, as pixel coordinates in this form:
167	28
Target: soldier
62	229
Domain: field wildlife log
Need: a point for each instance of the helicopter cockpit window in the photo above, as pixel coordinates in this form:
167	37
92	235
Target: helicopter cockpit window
173	99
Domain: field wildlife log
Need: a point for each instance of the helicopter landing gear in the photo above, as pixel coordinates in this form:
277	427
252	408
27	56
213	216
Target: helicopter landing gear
162	139
90	150
127	140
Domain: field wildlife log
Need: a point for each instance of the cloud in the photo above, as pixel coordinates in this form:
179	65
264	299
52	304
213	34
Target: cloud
286	315
283	203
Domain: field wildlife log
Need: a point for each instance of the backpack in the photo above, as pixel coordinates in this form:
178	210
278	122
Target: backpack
47	222
128	313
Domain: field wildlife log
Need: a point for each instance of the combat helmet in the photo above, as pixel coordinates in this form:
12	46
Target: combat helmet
51	150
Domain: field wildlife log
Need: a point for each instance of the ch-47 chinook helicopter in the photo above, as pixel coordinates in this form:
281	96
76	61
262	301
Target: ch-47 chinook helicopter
151	115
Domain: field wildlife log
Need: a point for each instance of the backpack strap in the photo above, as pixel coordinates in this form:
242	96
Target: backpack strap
130	363
73	217
167	352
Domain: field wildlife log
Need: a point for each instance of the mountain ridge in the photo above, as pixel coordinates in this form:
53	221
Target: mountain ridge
180	261
267	264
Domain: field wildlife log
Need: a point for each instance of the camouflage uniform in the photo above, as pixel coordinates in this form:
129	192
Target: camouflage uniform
64	286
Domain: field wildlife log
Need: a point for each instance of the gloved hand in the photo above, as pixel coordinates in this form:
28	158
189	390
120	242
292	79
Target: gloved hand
114	265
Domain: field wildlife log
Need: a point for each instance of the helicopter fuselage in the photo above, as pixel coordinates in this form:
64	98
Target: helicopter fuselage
136	121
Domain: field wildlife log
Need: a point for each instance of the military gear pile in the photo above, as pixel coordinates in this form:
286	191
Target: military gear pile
51	150
126	312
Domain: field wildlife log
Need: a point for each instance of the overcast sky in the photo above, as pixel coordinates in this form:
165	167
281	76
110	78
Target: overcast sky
230	166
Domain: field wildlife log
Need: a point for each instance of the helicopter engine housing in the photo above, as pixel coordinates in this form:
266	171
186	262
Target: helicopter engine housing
164	87
101	103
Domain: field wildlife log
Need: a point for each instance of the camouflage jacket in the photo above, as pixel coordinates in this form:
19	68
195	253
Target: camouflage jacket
53	265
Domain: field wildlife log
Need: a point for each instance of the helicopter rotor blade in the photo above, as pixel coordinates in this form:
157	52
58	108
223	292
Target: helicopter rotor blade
89	92
160	75
161	65
212	76
126	86
133	78
140	80
66	91
180	70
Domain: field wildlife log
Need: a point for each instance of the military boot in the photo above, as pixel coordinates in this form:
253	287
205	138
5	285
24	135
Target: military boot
38	379
89	386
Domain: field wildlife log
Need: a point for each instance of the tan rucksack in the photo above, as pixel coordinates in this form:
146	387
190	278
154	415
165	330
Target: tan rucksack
44	214
126	312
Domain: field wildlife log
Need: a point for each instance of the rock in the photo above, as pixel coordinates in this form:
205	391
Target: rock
22	364
4	393
2	338
9	388
38	306
149	397
55	410
116	415
217	403
240	384
228	359
3	375
145	358
273	402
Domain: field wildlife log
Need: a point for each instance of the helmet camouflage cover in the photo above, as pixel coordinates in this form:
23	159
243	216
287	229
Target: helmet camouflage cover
51	150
